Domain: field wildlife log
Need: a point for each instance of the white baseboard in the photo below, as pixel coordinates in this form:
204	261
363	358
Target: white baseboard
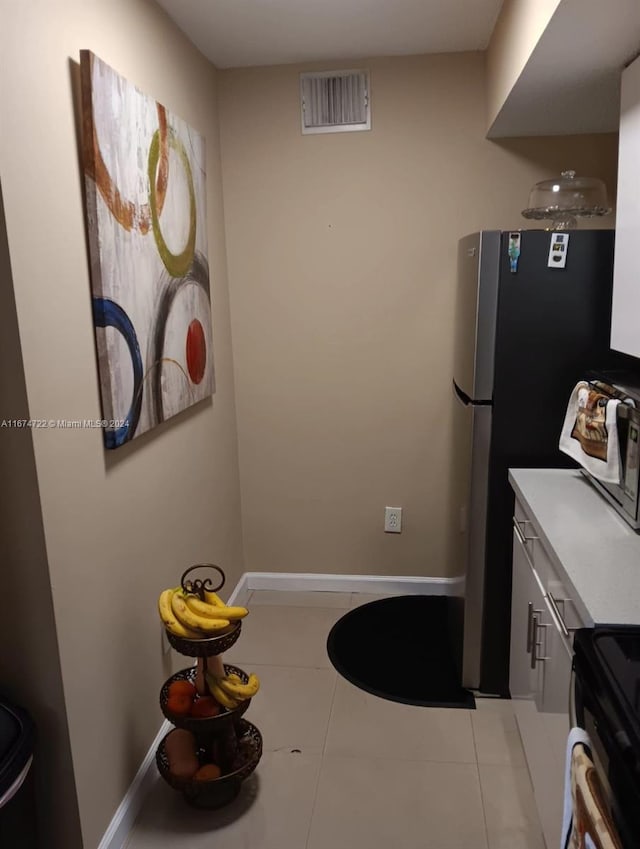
375	584
241	591
127	811
120	826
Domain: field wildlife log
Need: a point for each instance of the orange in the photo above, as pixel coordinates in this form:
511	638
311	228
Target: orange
208	772
179	704
182	688
205	706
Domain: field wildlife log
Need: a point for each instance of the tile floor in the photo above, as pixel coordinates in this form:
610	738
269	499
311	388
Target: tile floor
370	773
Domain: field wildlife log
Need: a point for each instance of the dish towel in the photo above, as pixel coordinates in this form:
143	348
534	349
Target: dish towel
586	823
590	434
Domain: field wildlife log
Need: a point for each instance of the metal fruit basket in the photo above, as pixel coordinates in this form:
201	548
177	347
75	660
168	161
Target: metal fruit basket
219	791
208	726
206	647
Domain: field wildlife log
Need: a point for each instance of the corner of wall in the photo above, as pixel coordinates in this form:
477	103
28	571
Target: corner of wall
29	659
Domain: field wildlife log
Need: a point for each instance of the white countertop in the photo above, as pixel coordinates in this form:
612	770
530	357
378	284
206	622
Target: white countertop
588	542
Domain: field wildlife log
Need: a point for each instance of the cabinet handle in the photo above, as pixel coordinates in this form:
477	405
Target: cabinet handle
558	617
563	602
536	624
534	620
519	533
530	625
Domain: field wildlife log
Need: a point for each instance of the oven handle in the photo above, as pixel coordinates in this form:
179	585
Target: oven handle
573	716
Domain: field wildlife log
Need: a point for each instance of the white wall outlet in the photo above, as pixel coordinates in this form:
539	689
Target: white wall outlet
393	520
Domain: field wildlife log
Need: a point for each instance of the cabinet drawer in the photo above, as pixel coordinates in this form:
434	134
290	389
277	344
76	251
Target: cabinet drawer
528	608
559	597
530	539
541	663
557	670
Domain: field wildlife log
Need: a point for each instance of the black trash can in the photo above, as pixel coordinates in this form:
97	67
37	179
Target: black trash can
17	808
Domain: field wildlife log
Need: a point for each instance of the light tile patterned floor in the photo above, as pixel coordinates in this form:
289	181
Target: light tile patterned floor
344	769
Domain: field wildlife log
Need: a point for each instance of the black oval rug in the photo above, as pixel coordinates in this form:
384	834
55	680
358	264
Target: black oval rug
398	648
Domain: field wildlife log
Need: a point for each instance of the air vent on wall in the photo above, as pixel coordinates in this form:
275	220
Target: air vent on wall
335	101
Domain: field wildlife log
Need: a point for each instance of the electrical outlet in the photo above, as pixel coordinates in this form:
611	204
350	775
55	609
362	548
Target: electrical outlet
393	520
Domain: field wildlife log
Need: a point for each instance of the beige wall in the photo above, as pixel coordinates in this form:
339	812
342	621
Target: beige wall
518	29
121	526
342	258
29	662
342	253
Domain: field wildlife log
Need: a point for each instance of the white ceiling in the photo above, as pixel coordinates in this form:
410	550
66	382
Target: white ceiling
240	33
570	84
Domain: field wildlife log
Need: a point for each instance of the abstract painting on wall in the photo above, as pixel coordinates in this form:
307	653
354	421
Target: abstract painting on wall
146	215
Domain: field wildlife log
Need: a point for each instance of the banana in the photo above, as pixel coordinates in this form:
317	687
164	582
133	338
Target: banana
203	608
213	611
233	613
240	691
212	598
219	694
191	620
168	617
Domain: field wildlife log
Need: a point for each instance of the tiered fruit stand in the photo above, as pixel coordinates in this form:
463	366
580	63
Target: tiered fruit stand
226	739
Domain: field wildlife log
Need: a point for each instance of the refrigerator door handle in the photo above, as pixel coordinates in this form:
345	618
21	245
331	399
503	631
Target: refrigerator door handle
461	395
465	399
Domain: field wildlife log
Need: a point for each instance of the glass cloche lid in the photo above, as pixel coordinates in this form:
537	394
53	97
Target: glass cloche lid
564	198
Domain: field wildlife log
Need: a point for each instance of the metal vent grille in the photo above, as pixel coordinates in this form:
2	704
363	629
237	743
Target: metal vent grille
335	101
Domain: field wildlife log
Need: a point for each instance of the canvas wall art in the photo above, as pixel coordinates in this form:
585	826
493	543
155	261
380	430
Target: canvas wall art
146	215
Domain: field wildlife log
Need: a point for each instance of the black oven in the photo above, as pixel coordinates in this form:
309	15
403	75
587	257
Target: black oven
607	706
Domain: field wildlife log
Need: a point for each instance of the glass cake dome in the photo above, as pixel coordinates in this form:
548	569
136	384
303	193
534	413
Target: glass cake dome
565	198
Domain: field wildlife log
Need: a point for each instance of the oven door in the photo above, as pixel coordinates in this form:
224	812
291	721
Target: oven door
616	763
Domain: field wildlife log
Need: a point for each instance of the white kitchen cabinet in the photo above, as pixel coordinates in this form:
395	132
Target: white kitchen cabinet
540	655
557	671
543	616
527	605
587	560
625	328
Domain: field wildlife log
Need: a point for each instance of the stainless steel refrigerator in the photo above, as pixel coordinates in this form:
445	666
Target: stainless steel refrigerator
524	337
